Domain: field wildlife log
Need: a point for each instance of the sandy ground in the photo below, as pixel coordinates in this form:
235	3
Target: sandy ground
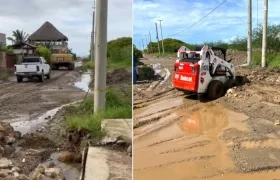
235	137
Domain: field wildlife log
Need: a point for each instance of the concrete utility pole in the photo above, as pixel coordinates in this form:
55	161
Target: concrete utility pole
143	45
100	55
264	42
147	40
257	12
157	39
151	50
161	36
249	41
140	47
92	34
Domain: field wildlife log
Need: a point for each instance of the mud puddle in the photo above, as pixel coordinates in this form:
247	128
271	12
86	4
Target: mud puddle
84	82
78	64
189	147
26	125
69	171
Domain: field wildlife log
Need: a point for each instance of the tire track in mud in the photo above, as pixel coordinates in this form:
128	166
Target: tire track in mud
191	146
20	93
198	158
150	118
146	102
144	134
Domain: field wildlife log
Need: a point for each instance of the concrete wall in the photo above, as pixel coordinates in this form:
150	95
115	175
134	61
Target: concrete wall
3	64
3	38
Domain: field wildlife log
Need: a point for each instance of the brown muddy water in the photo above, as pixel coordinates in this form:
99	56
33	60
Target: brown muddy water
186	144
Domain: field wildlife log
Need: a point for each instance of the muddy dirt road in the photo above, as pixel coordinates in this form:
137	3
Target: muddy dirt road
234	137
30	98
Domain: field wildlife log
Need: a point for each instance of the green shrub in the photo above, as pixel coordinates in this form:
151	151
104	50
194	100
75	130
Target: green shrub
44	52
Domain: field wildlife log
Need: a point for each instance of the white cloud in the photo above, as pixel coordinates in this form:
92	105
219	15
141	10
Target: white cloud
72	17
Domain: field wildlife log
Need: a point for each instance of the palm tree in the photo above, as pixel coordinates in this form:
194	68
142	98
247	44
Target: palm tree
18	36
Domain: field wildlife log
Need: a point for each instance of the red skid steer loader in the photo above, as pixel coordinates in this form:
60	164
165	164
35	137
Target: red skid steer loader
203	72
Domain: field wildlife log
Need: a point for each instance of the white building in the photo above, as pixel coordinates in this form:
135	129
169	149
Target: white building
2	38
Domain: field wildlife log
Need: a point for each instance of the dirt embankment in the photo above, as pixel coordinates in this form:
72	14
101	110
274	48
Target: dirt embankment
234	137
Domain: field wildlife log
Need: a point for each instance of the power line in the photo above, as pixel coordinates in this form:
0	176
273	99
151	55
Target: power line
198	20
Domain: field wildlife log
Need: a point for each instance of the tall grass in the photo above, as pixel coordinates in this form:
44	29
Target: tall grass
117	106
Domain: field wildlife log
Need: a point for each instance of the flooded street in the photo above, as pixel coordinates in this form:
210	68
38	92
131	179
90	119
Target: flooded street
179	137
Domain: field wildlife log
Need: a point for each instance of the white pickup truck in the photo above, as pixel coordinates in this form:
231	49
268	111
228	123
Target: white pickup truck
30	67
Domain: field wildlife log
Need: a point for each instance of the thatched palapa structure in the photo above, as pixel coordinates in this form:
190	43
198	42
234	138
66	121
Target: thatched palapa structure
48	35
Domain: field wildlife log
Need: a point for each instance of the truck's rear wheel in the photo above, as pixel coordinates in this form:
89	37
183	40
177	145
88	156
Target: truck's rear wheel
215	90
71	66
49	75
42	77
19	79
230	84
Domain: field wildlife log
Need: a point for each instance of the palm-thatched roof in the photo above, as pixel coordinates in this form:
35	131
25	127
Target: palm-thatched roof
47	32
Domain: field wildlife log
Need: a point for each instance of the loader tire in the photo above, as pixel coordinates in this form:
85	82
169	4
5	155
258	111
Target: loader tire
215	90
230	84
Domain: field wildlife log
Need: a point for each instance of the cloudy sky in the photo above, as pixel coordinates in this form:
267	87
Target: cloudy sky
71	17
225	23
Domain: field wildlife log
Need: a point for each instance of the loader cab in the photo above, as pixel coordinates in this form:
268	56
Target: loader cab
220	70
186	70
220	52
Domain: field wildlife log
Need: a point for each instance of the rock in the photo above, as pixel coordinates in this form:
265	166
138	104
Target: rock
16	174
17	134
37	175
2	136
230	91
5	163
120	142
2	128
23	177
53	172
8	150
3	174
41	177
108	140
40	169
8	127
49	164
9	140
67	157
1	150
88	136
16	169
277	123
129	149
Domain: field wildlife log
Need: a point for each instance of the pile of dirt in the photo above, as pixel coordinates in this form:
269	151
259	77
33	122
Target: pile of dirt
8	139
117	76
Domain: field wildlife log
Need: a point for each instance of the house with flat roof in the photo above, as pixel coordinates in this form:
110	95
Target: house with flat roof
2	38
